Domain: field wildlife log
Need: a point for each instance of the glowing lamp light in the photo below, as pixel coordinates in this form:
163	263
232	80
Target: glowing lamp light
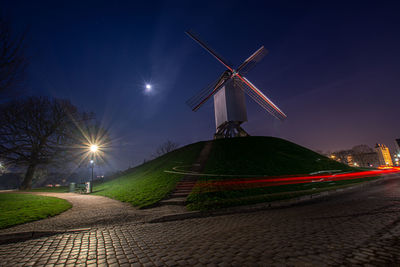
148	86
94	148
91	161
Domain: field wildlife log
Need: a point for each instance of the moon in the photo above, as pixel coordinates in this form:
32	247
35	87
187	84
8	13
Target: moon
148	89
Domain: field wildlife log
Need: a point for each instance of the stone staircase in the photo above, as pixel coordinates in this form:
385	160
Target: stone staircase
185	186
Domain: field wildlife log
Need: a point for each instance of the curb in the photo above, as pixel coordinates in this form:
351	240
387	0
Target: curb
23	236
265	206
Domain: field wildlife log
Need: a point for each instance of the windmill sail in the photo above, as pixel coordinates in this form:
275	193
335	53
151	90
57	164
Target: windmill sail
252	91
209	50
199	99
252	60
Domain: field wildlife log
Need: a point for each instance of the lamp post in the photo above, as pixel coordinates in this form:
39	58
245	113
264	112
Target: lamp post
92	165
93	149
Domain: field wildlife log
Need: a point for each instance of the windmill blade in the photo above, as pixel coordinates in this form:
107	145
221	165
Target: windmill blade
250	62
199	99
206	47
259	97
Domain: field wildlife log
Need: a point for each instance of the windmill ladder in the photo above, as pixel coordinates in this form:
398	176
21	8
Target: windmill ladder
185	186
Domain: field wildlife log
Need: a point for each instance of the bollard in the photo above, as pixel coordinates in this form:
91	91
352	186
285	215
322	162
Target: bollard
72	187
88	187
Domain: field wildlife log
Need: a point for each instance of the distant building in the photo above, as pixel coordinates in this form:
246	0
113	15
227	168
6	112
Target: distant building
384	155
398	144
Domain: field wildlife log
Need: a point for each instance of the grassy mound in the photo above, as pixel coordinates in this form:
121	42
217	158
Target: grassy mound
228	198
261	156
21	208
265	156
268	156
148	183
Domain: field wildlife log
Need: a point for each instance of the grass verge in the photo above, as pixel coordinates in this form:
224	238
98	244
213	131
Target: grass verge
229	198
22	208
61	189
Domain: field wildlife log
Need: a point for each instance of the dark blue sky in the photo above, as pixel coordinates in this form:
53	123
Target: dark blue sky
333	67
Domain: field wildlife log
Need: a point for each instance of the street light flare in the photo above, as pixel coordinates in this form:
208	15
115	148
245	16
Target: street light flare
94	148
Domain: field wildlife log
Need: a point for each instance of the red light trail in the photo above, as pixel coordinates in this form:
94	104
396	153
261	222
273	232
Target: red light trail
243	183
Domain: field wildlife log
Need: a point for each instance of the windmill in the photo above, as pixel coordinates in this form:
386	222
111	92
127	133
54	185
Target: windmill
229	94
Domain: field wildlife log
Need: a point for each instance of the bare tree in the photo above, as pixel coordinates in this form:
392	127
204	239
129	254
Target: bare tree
342	155
360	149
3	168
164	148
38	131
13	62
365	156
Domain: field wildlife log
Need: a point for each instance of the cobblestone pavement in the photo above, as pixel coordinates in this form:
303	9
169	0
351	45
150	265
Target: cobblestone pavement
359	227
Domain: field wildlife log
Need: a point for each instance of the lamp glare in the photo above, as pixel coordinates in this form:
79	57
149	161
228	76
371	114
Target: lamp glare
93	148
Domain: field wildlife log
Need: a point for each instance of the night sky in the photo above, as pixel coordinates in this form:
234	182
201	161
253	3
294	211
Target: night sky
332	67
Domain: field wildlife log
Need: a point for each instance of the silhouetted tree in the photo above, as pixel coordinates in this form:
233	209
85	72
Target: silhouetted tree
362	155
3	168
13	62
164	148
360	149
38	131
365	156
342	155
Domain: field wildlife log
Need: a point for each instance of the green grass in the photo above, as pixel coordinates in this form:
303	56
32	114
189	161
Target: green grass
228	198
21	208
148	183
61	189
266	156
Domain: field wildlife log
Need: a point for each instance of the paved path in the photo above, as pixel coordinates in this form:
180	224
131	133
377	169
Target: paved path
358	227
90	211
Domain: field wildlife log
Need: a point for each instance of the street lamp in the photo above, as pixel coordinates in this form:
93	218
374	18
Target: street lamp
92	165
93	150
